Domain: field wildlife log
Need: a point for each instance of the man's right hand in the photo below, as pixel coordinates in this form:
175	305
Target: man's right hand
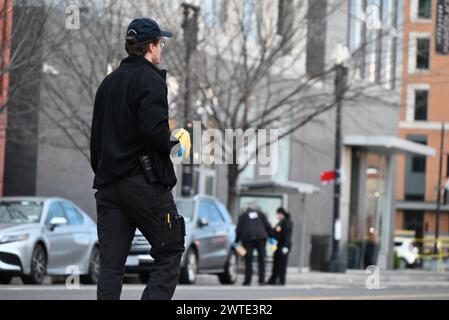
184	140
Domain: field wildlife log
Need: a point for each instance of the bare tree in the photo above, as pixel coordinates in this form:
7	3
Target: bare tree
86	57
250	74
249	68
24	59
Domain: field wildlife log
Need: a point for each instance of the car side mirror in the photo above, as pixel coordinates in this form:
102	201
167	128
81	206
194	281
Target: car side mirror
203	222
57	222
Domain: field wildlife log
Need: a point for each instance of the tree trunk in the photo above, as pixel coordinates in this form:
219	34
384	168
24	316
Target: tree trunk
232	190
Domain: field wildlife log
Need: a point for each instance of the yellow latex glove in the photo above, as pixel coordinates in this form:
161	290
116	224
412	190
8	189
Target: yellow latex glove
184	140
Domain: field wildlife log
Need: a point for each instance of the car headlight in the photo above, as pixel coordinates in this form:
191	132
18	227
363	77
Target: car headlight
14	238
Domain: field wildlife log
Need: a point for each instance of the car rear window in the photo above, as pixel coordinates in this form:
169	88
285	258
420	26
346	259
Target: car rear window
185	208
20	212
74	217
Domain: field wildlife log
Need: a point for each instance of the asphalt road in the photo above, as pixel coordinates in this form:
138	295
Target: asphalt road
208	288
201	292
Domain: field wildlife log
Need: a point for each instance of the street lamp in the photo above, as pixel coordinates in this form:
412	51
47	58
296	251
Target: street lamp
190	28
341	55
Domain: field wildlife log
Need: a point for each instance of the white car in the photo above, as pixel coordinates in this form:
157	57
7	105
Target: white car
406	251
44	236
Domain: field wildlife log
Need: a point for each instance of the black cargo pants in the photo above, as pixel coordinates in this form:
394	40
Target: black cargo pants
279	272
260	246
121	208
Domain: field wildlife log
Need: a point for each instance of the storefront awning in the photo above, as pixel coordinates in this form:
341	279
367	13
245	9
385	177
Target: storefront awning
278	186
419	206
388	145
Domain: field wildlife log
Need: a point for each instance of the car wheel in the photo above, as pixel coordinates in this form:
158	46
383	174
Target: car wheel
94	268
38	266
5	279
402	264
189	271
230	275
144	277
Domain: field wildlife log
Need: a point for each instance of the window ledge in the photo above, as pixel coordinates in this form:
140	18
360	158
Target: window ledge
420	72
421	20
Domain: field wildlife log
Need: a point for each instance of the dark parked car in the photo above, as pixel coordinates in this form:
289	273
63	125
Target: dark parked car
209	240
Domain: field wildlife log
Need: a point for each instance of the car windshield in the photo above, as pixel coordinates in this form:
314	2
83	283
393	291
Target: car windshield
185	208
20	212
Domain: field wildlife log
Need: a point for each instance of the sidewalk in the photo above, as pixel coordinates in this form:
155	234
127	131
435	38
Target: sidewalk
350	279
398	278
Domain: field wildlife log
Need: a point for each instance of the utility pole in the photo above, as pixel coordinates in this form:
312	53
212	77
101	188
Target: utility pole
341	81
190	29
440	172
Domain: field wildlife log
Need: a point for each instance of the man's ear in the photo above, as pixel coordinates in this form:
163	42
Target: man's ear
151	47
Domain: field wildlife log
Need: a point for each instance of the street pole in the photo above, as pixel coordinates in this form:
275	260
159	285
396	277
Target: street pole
440	171
341	79
190	28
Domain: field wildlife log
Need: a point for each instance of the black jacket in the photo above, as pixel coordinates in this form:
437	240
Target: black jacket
282	232
131	116
249	229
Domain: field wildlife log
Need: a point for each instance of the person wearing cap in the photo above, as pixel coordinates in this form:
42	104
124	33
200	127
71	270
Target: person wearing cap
282	232
130	150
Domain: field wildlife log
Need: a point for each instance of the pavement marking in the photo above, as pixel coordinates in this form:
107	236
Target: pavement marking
179	288
373	297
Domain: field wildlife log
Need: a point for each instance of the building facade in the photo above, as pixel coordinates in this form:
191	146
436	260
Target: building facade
372	32
6	13
424	101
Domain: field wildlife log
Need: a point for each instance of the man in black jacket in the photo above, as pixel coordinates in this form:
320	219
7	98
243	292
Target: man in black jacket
253	229
130	120
282	232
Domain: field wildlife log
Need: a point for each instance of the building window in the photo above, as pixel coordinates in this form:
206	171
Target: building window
425	9
375	45
316	37
212	12
204	177
250	18
421	104
284	162
423	53
286	14
419	52
415	173
414	197
421	11
419	164
417	103
391	51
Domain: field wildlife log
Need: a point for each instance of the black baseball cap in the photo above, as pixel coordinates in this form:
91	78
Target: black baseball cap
145	29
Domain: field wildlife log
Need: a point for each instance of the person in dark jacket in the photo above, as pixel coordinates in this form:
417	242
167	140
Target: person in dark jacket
253	229
282	232
130	124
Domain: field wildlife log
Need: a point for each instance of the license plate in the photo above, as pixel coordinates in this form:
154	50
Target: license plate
132	261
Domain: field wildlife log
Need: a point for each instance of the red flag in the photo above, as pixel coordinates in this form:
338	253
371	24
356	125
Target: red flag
327	177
